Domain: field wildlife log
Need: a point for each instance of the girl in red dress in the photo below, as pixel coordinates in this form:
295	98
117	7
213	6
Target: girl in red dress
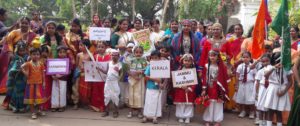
185	96
97	88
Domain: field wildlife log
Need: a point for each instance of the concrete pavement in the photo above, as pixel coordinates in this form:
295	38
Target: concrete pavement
85	117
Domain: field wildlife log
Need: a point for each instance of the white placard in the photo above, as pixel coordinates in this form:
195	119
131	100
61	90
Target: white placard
58	66
160	69
184	77
92	74
100	34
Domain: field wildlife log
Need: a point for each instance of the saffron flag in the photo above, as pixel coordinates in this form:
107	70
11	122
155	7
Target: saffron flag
281	26
259	31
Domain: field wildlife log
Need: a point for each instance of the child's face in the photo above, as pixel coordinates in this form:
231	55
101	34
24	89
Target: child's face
101	48
246	58
75	28
44	54
154	58
35	56
50	29
115	57
21	52
62	53
213	58
82	47
138	52
129	49
187	62
265	61
163	52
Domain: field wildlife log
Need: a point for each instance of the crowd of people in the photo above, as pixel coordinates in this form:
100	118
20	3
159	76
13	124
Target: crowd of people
228	77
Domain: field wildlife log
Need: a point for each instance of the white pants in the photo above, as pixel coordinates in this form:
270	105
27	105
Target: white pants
111	92
214	112
58	94
184	110
152	106
124	92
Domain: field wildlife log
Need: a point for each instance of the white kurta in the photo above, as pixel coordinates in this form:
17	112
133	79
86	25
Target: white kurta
58	94
111	88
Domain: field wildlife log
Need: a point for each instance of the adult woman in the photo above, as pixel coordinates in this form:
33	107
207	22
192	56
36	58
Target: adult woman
137	24
51	38
146	24
36	23
216	42
13	37
155	35
96	22
173	29
121	37
185	42
295	37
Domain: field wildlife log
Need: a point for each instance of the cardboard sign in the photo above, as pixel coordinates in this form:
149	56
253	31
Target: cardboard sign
143	38
184	77
92	74
160	69
100	34
58	66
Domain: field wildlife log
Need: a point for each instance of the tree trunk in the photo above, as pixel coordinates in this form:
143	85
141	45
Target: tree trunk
166	5
133	9
93	7
73	8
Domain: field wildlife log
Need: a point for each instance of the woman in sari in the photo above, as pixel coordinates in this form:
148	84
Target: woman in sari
24	34
170	33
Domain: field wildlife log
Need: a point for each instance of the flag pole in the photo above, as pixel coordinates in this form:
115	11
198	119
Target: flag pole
266	28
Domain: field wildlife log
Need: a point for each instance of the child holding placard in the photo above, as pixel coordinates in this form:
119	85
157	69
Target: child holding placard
184	97
214	88
136	81
59	86
153	107
81	89
97	88
34	72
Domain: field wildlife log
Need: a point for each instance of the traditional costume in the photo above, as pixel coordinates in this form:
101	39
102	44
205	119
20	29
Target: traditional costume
111	88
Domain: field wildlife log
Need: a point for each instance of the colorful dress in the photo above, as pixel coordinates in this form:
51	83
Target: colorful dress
97	88
9	46
34	93
137	87
16	84
118	39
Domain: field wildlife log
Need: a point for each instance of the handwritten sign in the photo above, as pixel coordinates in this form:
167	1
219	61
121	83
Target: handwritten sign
184	77
100	34
92	74
58	66
160	69
143	38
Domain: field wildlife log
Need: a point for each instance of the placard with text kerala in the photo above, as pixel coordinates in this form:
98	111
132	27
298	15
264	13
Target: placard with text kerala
184	77
160	69
99	34
58	66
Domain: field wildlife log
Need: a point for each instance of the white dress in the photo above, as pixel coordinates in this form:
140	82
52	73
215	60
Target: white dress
246	91
111	88
262	89
270	98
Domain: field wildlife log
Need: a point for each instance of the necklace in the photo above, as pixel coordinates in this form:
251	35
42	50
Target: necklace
35	66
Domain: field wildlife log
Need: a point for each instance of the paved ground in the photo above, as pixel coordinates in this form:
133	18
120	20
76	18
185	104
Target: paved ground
85	117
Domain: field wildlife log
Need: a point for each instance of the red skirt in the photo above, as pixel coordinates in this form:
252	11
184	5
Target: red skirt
84	91
97	96
4	58
47	92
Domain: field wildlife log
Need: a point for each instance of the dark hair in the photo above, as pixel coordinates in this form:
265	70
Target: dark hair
246	52
99	24
86	42
250	32
24	18
2	11
154	21
230	29
138	47
194	21
33	50
155	53
62	48
114	22
119	23
106	19
268	47
241	26
276	44
167	47
137	20
60	27
275	58
266	55
57	36
77	22
44	48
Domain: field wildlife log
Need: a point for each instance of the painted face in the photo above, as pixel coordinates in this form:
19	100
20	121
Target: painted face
238	30
50	29
138	52
62	53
